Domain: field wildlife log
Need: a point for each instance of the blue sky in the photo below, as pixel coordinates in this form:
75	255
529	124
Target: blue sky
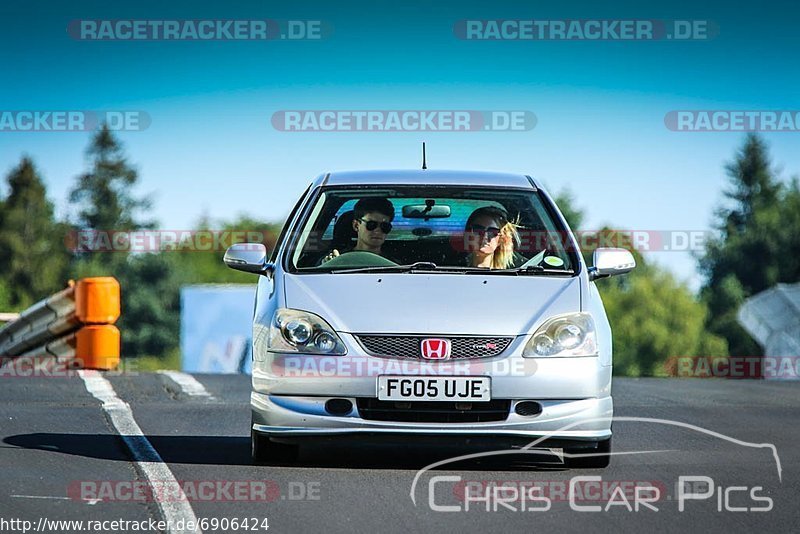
210	148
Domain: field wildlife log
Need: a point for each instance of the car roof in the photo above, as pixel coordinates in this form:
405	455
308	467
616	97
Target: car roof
427	177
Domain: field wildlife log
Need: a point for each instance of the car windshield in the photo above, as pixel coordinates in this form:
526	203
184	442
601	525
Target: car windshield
448	229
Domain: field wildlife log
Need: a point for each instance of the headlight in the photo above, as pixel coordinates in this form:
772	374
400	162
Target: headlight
300	331
564	335
297	331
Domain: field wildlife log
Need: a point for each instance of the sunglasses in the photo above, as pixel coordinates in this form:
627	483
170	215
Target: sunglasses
491	232
386	227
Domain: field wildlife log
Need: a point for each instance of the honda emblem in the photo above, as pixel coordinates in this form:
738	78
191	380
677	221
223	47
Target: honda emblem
435	349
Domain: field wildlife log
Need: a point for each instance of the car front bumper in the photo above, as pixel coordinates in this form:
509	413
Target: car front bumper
295	417
290	392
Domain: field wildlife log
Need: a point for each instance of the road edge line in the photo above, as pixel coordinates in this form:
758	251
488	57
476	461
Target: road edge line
188	384
146	459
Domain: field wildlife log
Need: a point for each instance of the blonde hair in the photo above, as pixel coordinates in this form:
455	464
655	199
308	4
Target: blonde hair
503	256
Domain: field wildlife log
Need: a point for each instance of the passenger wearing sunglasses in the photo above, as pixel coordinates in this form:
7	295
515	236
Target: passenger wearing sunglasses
490	236
372	222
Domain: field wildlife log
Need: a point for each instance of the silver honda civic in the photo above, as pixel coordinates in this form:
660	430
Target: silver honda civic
430	303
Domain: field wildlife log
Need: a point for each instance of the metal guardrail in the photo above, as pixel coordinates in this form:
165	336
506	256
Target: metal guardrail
772	317
75	325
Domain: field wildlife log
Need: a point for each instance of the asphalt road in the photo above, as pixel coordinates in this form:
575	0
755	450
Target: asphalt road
62	458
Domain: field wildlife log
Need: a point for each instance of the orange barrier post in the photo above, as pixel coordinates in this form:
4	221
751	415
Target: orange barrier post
97	346
97	300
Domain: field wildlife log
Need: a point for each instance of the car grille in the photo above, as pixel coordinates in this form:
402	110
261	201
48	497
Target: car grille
461	347
433	412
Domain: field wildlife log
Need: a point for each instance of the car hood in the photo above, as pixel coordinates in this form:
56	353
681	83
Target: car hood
411	303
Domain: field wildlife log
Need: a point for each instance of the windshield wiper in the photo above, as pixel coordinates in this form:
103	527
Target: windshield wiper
416	266
539	270
430	266
531	269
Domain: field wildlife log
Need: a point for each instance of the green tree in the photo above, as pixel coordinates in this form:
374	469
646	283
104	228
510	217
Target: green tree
653	316
150	307
151	317
104	195
565	201
753	186
5	298
205	267
33	254
106	202
151	281
789	216
758	225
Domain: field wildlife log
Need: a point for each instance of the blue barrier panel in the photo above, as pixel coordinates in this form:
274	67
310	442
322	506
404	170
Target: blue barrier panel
216	328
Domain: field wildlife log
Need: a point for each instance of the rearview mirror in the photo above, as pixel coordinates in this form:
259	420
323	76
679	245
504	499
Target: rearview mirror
248	257
425	211
610	262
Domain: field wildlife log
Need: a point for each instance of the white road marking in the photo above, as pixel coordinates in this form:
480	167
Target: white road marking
188	384
87	501
40	497
145	457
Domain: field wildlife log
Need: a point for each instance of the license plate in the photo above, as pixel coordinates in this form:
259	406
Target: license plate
438	388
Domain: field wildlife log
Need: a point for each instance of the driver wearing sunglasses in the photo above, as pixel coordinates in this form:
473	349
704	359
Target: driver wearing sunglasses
372	222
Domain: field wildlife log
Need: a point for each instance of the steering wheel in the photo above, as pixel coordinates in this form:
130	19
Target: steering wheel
358	258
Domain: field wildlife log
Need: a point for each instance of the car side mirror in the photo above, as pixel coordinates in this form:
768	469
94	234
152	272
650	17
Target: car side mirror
611	262
248	257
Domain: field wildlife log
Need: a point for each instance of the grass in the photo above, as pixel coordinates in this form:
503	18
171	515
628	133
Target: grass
170	362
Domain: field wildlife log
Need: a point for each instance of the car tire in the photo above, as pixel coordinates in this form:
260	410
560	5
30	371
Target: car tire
265	451
600	461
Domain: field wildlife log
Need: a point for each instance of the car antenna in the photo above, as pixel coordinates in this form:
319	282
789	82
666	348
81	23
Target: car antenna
424	163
